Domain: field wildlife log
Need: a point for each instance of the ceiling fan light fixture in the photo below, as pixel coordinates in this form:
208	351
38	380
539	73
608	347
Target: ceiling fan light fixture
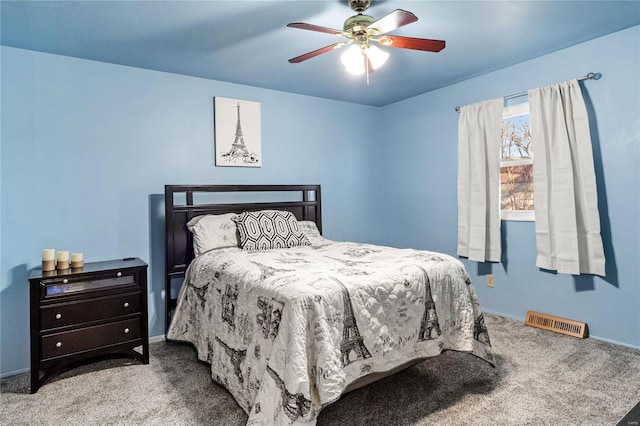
377	57
353	60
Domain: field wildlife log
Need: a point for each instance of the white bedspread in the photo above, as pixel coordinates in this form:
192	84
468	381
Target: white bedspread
286	330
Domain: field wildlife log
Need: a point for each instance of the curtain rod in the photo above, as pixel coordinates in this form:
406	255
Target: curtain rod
590	76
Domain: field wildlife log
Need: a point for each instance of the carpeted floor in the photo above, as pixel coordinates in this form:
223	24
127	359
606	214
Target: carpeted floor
542	378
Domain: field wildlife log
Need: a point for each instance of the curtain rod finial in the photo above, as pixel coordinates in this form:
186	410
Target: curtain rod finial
594	76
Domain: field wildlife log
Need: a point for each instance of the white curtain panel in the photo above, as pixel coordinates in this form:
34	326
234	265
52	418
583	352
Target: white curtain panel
566	201
479	128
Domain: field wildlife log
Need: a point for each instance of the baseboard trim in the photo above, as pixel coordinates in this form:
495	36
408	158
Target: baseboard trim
13	373
158	338
615	342
503	315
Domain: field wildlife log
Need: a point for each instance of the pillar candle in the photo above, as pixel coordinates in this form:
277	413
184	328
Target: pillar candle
48	260
63	256
76	261
63	260
48	254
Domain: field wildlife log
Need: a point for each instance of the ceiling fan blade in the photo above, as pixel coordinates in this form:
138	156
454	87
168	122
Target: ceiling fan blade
311	27
401	42
396	19
315	53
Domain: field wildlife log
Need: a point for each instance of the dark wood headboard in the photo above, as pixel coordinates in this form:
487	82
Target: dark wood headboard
181	206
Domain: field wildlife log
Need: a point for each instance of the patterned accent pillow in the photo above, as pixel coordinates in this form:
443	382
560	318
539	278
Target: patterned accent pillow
269	229
213	231
310	229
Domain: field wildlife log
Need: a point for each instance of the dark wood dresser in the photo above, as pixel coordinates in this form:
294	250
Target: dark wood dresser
83	313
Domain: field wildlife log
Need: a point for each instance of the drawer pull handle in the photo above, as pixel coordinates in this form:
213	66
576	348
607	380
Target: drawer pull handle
126	331
126	304
58	344
65	281
58	316
119	274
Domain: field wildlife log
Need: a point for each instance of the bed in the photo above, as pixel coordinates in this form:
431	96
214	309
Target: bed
287	331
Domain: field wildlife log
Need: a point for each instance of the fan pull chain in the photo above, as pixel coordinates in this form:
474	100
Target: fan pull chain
366	66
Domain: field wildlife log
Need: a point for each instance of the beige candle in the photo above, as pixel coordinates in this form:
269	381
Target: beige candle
77	260
49	254
48	260
63	260
63	256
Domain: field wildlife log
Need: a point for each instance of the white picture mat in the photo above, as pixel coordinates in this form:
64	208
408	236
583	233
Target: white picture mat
225	122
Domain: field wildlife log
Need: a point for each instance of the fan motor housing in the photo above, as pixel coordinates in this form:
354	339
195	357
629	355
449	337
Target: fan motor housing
357	23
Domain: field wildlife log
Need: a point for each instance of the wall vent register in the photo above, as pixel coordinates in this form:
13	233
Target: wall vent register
556	324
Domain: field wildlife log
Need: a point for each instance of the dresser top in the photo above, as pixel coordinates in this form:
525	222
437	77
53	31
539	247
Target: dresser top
129	262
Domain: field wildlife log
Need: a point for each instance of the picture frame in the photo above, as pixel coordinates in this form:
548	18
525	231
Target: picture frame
237	125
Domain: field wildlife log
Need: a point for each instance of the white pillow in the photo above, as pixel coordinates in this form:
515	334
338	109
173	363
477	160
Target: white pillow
310	229
213	231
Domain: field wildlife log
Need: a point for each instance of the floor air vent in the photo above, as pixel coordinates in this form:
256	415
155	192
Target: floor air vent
557	324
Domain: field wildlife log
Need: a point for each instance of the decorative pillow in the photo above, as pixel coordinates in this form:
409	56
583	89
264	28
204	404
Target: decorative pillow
310	229
213	231
269	229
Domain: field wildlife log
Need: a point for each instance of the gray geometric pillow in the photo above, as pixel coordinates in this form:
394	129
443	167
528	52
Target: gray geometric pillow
269	229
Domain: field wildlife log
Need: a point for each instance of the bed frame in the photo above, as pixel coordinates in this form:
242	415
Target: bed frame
180	241
181	207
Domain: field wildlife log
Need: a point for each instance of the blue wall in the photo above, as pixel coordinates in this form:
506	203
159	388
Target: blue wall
87	148
420	151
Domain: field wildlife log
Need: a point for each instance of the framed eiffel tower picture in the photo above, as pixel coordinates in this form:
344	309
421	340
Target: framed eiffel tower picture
237	133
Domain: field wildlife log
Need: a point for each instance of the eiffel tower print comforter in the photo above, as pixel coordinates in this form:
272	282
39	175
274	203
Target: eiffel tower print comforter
286	330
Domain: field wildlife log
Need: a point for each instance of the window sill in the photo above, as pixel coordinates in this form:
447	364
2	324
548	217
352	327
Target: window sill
518	216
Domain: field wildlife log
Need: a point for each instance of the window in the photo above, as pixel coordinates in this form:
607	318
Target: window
516	165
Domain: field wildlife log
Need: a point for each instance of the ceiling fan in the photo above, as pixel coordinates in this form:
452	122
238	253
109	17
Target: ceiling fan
361	30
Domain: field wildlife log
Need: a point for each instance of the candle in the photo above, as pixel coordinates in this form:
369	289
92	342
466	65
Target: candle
48	260
63	260
76	260
48	254
63	256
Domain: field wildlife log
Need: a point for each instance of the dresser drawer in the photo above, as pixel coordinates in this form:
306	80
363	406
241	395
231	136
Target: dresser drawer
78	284
60	344
81	311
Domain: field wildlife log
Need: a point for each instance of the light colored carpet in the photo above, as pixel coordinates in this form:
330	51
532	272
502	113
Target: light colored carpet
542	378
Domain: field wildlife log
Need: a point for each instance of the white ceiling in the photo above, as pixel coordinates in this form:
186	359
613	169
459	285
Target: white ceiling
247	42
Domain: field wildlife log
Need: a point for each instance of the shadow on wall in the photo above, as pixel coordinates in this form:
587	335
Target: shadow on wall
157	263
585	282
486	268
504	259
14	321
